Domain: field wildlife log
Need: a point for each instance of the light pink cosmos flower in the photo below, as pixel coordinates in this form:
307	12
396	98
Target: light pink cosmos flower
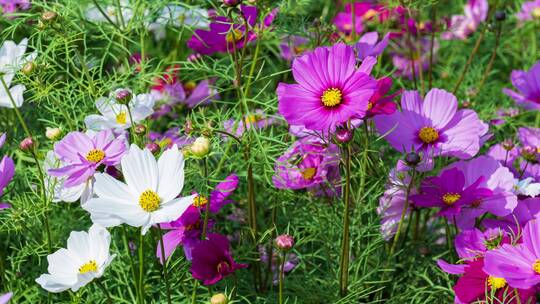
461	26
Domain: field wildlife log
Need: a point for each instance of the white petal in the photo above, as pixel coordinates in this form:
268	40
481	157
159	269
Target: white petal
171	174
56	283
172	210
105	212
108	187
140	170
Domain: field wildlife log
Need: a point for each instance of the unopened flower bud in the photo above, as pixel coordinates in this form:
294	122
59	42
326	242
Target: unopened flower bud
140	129
123	96
48	16
28	68
188	127
528	153
200	147
412	159
344	135
284	242
27	144
466	104
231	3
52	133
153	147
219	299
500	15
507	144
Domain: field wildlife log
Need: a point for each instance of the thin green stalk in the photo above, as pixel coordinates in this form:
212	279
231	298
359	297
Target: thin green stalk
164	263
469	61
141	268
105	14
207	205
132	263
104	290
281	277
345	242
432	45
492	58
353	20
194	293
403	212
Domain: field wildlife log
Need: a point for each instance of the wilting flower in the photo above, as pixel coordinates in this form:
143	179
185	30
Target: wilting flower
308	163
475	285
420	50
85	259
212	260
82	154
178	16
530	10
368	45
12	59
115	115
449	192
293	46
528	85
258	120
12	6
519	265
187	229
462	26
495	177
225	36
149	195
120	18
330	90
434	126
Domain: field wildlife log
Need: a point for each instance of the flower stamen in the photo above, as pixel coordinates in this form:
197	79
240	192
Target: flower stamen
450	198
496	283
536	266
200	200
428	135
91	266
332	97
121	118
95	155
149	201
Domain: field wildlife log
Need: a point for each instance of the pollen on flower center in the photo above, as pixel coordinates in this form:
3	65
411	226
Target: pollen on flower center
91	266
451	198
250	119
149	201
496	283
200	200
308	173
332	97
428	135
234	35
121	118
536	266
370	105
95	155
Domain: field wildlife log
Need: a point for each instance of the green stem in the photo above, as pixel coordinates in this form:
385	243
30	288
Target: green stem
281	277
164	263
492	58
345	242
469	61
141	268
132	263
405	207
207	205
353	20
194	293
104	290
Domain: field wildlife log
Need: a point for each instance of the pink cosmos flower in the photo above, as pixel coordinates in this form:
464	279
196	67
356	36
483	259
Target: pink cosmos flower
474	243
530	10
461	26
368	45
379	104
401	55
495	177
170	138
12	6
7	170
4	299
449	192
434	126
293	46
84	153
330	89
528	85
519	265
258	120
525	211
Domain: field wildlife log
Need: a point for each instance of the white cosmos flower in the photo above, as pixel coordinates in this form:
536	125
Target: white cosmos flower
12	59
116	116
95	15
86	257
149	195
55	185
526	187
178	16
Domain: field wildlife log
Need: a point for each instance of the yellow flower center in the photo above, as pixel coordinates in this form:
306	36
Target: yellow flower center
200	200
428	135
149	201
536	12
308	173
450	198
370	13
370	105
95	156
536	266
190	85
234	35
331	97
496	283
88	267
250	119
121	118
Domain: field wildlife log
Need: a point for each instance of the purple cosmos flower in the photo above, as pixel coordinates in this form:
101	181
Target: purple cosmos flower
461	26
293	46
528	85
368	45
212	260
330	90
307	164
257	120
449	192
187	229
225	36
190	94
12	6
84	153
7	170
170	138
525	211
4	299
433	126
473	243
495	177
519	265
401	56
502	114
530	10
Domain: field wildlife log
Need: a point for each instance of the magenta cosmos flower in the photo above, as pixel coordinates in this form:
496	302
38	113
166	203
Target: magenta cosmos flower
84	153
495	177
368	45
528	85
434	126
330	89
293	46
530	10
380	103
225	36
449	192
462	26
212	260
519	265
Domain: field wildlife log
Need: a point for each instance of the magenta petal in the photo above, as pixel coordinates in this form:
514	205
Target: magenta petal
171	240
451	268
